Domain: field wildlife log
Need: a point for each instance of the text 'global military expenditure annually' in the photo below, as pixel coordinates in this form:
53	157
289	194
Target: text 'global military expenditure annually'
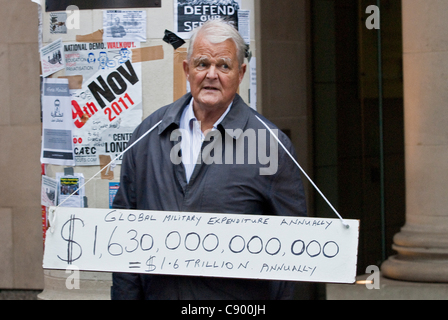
200	244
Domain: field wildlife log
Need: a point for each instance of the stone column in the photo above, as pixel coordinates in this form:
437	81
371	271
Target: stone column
422	244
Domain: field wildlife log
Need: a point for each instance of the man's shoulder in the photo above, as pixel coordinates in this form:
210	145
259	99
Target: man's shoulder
157	115
152	120
251	114
258	122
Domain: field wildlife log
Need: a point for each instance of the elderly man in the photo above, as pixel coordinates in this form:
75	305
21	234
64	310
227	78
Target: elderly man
214	123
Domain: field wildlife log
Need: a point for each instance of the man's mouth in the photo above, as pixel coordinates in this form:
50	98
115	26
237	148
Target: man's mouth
210	88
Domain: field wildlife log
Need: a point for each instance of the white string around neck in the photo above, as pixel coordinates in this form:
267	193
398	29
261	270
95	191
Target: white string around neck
346	225
53	215
106	167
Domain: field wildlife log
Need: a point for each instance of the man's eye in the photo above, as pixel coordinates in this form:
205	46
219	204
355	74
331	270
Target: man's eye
224	67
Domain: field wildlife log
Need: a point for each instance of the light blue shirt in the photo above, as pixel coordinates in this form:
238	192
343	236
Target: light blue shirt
193	137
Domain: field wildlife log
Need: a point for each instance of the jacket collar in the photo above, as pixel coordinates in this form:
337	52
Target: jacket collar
237	117
174	112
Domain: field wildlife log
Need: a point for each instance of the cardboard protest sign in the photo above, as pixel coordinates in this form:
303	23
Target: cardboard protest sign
200	244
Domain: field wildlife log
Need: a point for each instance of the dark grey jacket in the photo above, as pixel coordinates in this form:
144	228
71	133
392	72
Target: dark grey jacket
150	181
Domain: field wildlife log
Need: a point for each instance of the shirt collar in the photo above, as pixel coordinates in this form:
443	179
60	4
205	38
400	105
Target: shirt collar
237	117
188	116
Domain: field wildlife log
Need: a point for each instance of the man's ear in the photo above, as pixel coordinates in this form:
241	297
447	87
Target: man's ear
186	66
243	69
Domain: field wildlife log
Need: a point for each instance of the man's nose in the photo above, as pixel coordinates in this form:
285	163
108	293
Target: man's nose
212	72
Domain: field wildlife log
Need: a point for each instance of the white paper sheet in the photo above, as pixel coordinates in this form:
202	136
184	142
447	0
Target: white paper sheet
201	244
124	25
52	58
57	124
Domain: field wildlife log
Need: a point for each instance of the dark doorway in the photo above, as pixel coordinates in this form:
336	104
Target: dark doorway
346	115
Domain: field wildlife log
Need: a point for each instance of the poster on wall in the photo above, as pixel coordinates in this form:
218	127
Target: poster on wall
190	14
253	83
244	25
48	191
58	22
124	25
70	192
51	58
61	5
108	107
113	189
57	125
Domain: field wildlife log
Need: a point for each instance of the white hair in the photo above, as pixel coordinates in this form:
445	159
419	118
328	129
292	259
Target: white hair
218	31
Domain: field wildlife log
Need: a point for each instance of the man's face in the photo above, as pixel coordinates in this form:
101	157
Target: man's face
102	59
214	73
124	53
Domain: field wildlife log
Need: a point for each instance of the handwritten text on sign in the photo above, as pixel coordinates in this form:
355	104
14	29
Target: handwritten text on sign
199	244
